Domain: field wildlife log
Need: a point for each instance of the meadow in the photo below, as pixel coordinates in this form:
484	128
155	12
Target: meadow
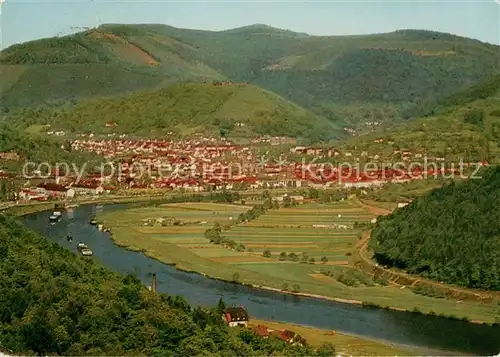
278	247
345	344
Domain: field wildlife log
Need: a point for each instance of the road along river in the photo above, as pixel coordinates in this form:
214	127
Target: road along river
397	327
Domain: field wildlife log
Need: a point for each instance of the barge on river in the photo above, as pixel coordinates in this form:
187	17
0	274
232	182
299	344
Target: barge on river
84	249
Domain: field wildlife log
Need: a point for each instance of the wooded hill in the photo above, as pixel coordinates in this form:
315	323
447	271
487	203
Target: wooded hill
37	149
53	302
451	234
225	110
463	126
347	79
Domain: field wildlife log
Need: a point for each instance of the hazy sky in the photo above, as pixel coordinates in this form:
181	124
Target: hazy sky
26	20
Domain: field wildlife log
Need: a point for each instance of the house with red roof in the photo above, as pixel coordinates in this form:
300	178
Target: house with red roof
235	316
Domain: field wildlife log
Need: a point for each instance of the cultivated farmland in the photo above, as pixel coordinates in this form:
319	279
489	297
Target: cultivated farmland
317	230
290	237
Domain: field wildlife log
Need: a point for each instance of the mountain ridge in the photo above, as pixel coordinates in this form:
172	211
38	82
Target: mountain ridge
348	79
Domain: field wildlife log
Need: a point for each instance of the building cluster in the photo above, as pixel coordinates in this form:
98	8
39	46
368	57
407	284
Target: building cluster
203	164
274	140
237	316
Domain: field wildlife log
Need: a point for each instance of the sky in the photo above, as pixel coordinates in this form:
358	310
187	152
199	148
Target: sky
23	20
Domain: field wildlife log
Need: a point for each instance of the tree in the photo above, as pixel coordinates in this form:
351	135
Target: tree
240	247
326	350
4	190
312	260
221	305
284	287
295	288
236	277
288	201
324	259
266	253
293	257
468	211
283	256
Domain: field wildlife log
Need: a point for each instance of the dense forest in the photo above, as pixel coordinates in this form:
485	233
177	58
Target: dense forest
54	302
347	79
451	234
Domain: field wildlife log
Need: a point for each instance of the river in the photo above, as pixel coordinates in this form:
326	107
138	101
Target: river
396	327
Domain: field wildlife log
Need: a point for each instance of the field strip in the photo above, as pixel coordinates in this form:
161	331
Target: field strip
337	263
158	230
282	246
241	259
299	235
217	207
276	241
321	210
322	278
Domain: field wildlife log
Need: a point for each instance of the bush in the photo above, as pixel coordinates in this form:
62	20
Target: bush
474	116
428	291
377	279
495	113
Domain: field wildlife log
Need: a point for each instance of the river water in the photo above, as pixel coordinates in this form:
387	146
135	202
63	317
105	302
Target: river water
430	332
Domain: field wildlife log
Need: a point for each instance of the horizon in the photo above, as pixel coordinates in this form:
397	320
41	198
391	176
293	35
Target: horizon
24	21
236	28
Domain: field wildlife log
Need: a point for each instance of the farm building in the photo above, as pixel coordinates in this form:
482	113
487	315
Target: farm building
289	337
236	316
262	331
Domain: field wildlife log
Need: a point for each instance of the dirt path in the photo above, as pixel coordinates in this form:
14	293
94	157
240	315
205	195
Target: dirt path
459	293
377	211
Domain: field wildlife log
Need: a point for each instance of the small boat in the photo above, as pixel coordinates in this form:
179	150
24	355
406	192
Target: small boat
69	238
56	213
81	246
54	219
86	252
100	227
93	221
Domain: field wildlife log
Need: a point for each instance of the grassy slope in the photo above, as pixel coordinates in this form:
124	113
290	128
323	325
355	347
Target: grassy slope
446	131
186	108
345	343
345	78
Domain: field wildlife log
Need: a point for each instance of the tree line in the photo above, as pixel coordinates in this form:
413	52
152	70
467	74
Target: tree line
451	234
54	302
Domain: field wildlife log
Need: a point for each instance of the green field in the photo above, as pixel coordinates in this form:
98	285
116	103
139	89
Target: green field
293	230
288	230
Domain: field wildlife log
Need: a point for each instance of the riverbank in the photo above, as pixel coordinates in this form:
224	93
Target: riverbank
182	259
272	274
347	344
370	323
33	207
186	267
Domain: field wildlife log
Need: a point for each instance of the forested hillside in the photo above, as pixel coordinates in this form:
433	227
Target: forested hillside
451	234
464	126
347	79
38	149
55	303
224	110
